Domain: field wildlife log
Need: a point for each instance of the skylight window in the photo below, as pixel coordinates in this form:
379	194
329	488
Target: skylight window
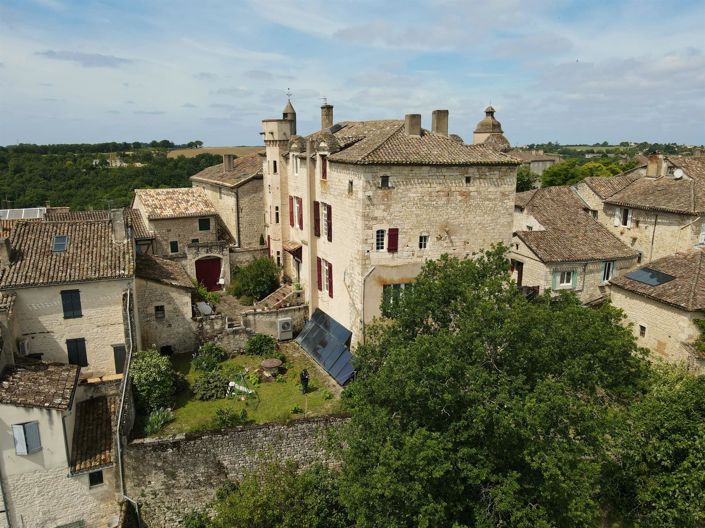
649	276
60	243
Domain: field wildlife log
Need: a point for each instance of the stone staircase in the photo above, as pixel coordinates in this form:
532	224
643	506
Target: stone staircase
284	296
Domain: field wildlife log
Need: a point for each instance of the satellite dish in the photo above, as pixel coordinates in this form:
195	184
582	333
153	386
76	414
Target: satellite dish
678	174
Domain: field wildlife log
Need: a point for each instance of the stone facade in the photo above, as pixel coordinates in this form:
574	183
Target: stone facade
173	476
667	329
184	231
41	323
176	328
265	321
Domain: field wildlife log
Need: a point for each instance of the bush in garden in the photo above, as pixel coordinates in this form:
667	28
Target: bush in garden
157	420
154	379
211	385
208	357
195	519
261	345
257	279
230	418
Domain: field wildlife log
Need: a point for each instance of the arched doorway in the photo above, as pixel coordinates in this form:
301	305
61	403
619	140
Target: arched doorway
208	272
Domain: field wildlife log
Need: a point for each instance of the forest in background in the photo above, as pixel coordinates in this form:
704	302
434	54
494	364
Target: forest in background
80	176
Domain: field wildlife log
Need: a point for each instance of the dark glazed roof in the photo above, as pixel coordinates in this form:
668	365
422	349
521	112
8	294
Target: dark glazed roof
38	384
243	169
93	435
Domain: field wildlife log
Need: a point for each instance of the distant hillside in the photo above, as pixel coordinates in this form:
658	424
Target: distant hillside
218	151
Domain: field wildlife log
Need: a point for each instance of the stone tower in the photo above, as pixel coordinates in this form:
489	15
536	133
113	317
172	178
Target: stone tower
489	132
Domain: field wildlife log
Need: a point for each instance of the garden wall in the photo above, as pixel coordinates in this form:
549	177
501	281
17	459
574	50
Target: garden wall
216	328
265	321
172	476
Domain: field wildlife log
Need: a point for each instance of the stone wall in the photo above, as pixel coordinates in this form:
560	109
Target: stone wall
240	257
251	201
170	477
228	333
265	322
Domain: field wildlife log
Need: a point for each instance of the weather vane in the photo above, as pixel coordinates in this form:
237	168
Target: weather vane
288	93
325	100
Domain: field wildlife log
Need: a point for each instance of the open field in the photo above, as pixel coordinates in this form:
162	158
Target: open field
191	152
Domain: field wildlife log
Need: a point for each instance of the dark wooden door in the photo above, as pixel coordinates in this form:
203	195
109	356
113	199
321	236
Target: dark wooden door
208	272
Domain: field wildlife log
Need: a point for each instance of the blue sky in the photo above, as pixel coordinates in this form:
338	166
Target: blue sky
568	71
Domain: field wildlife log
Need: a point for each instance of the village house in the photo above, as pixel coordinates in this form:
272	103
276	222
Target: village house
535	160
656	210
235	190
187	229
557	244
662	300
354	210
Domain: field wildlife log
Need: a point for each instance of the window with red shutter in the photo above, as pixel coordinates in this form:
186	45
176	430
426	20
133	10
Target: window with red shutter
299	202
329	222
291	211
330	280
393	240
269	246
324	168
318	273
317	218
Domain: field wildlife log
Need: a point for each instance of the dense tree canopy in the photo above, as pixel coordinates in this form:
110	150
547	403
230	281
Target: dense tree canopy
573	170
526	180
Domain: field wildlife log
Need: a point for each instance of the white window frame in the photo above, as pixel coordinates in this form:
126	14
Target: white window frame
27	438
324	219
423	241
628	223
608	270
324	275
296	165
565	274
296	212
380	242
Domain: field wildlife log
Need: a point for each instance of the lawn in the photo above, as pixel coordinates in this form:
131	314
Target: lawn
274	401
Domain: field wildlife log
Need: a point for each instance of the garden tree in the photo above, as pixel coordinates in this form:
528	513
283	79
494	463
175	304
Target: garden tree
574	170
281	495
475	407
658	475
154	379
257	279
526	180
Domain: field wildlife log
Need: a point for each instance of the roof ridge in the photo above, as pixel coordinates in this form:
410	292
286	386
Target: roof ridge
382	142
694	287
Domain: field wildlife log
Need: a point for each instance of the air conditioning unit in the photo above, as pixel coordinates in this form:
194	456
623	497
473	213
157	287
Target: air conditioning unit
285	329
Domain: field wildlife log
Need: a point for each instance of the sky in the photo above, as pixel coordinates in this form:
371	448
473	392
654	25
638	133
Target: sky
136	70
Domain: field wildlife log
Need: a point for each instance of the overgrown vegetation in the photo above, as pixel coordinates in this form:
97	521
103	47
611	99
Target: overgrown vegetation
257	279
526	180
261	345
157	420
205	295
155	381
211	385
574	170
208	357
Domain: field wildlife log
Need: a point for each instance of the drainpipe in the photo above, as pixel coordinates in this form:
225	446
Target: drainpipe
653	236
237	216
364	283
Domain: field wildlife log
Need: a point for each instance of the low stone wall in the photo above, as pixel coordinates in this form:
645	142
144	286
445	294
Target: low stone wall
230	334
170	477
265	321
241	257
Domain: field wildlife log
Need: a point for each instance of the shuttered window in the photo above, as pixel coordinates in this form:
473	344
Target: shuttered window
71	301
27	439
318	274
174	246
300	207
393	240
324	168
317	218
329	222
291	211
330	280
77	352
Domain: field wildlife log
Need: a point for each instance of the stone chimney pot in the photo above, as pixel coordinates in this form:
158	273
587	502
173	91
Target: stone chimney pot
439	122
412	124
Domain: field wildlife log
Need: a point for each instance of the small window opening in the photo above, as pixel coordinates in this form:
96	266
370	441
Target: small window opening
159	312
60	243
204	224
384	182
468	180
423	241
276	214
350	186
174	246
195	241
642	331
95	478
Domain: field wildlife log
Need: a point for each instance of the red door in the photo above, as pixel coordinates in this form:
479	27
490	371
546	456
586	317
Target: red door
208	272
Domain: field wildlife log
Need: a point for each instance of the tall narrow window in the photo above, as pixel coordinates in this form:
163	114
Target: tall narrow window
276	214
274	167
159	312
329	222
384	182
76	349
279	258
300	212
291	211
324	219
71	302
350	186
296	164
317	218
379	240
607	270
174	246
324	168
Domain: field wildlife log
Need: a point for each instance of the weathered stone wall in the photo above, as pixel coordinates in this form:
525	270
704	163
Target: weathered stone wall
228	333
170	477
251	201
265	322
240	257
183	230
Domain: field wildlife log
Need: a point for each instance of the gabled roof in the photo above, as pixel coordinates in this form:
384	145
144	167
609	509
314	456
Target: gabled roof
93	439
685	291
604	187
185	202
570	234
38	384
244	168
133	219
91	254
158	269
385	142
532	155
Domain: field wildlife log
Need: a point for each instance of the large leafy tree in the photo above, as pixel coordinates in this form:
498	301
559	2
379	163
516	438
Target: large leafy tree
474	407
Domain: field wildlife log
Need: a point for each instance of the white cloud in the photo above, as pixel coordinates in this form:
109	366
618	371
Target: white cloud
87	60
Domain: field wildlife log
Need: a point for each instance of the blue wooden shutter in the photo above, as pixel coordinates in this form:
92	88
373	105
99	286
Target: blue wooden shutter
31	433
575	279
554	281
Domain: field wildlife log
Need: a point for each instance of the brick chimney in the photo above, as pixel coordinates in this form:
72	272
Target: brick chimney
439	122
654	167
326	116
412	124
5	252
228	161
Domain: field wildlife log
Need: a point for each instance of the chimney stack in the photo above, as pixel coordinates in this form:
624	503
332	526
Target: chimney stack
412	124
439	122
654	167
326	116
228	162
5	252
118	222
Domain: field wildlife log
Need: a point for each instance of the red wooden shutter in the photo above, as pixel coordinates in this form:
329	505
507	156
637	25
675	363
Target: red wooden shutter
269	246
393	240
291	211
317	218
324	168
330	280
329	217
318	273
301	213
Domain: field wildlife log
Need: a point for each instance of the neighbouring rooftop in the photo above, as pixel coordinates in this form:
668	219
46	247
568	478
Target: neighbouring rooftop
38	384
93	438
242	170
165	271
183	202
133	219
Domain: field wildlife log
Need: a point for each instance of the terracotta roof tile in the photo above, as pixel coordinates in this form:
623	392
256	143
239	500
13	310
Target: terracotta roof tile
154	268
529	155
133	218
7	301
91	254
243	169
182	202
94	432
606	187
570	234
38	384
685	291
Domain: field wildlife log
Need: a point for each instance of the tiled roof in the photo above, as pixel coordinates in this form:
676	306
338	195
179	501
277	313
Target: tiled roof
133	218
183	202
38	384
243	169
151	267
685	291
91	254
530	155
386	143
7	301
570	234
523	198
693	166
605	187
93	434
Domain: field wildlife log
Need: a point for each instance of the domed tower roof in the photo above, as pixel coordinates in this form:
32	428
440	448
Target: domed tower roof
489	124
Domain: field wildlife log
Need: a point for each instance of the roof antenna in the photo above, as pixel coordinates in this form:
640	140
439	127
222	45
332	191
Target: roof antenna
288	93
325	101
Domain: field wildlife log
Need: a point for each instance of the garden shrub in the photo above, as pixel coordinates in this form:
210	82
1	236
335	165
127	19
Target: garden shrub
296	409
253	379
257	279
327	394
205	295
211	385
154	379
195	519
208	357
261	345
157	420
230	418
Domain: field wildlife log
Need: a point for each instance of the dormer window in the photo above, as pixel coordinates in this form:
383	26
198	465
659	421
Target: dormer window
60	243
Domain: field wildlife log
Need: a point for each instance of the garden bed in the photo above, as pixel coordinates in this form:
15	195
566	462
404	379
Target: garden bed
275	401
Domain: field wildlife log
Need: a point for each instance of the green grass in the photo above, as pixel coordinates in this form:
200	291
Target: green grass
275	399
